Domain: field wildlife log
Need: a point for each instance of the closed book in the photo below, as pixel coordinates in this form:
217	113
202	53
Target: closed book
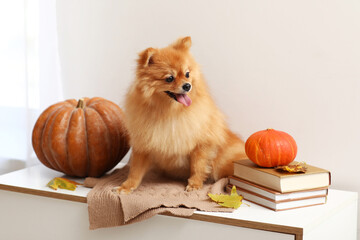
281	181
275	195
279	206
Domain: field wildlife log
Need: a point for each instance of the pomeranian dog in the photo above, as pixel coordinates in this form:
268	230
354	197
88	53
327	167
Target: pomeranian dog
173	123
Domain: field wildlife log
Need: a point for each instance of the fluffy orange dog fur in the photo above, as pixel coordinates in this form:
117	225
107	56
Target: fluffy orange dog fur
173	127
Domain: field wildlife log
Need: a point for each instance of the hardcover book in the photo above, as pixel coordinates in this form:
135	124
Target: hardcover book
280	205
280	181
275	195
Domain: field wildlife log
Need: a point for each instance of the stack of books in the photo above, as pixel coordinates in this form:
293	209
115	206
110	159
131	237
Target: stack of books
279	190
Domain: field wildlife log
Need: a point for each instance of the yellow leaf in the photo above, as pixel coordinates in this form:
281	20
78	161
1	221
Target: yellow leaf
62	183
294	168
231	201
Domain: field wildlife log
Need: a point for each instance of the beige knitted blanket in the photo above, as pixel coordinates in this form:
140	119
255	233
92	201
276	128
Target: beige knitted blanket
156	194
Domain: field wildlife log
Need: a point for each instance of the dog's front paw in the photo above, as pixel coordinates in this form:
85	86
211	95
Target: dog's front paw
126	187
193	186
122	190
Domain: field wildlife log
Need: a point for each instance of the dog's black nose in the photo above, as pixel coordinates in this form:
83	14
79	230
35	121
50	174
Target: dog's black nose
186	87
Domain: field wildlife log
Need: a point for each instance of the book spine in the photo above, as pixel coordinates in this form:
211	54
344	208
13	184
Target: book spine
240	190
273	205
259	178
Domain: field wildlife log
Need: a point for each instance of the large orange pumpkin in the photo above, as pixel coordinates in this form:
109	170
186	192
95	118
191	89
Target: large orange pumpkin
271	148
81	138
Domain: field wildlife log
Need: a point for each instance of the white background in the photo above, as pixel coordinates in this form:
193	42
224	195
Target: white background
289	65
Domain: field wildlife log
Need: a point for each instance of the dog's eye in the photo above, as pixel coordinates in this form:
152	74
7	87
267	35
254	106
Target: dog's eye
187	74
170	79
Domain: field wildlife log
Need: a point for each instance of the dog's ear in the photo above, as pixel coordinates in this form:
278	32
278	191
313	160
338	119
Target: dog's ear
145	57
182	44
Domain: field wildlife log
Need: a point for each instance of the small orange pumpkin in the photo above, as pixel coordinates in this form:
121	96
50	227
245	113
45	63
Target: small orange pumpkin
271	148
81	138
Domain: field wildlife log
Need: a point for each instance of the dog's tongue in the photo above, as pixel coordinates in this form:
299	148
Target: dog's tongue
184	99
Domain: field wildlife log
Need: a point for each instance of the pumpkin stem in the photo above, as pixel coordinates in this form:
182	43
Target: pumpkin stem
80	103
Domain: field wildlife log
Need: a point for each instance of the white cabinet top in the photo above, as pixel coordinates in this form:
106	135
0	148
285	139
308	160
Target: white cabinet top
33	180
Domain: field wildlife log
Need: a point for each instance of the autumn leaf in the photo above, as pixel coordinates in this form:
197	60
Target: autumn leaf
230	201
294	168
62	183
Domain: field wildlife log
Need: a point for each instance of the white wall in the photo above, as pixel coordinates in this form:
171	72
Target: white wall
290	65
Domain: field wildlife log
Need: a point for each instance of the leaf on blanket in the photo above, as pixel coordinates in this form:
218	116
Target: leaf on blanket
230	201
62	183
